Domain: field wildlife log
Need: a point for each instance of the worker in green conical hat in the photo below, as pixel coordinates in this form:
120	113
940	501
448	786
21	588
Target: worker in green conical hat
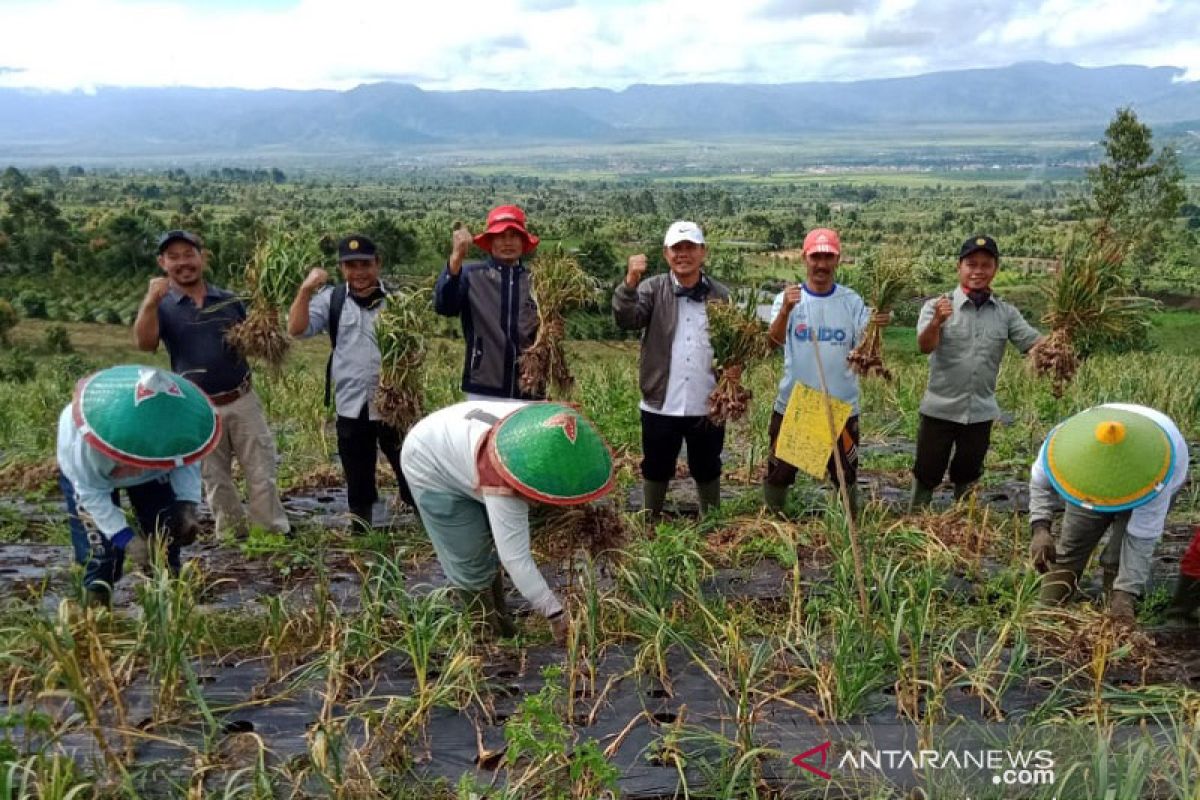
144	430
1117	467
474	469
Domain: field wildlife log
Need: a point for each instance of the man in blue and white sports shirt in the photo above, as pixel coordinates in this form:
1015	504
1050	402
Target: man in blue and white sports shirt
837	317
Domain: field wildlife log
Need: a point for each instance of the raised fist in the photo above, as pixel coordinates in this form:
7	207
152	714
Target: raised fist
157	290
636	270
315	279
460	243
942	310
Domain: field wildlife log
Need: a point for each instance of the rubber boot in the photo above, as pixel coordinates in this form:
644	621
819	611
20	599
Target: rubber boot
852	496
710	495
921	497
480	606
1057	587
775	497
501	621
97	597
137	553
961	490
1121	609
1186	599
654	495
1110	577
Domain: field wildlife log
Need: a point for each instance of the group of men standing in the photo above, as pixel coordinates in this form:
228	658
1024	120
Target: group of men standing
964	332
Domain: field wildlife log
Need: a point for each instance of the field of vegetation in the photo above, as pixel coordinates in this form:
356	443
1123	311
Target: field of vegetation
704	654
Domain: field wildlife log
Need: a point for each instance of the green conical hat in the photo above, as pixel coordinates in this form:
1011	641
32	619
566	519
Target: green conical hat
551	453
1108	459
145	416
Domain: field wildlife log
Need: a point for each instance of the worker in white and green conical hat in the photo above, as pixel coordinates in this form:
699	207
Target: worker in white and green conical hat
143	430
1117	467
475	467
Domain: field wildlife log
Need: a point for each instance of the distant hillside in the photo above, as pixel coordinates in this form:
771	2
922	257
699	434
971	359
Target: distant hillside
387	116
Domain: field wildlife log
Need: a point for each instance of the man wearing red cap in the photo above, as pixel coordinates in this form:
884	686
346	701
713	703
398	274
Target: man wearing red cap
493	301
837	317
965	334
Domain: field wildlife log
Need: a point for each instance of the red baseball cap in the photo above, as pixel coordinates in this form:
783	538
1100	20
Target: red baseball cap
822	240
501	218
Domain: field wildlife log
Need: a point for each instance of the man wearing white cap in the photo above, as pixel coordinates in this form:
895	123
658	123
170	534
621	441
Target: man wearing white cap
676	365
1117	466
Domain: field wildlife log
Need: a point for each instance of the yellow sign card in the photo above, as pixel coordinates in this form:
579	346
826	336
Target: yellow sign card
805	440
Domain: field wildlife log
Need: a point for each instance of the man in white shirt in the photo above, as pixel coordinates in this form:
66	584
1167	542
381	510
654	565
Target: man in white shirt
1117	466
474	468
676	366
348	313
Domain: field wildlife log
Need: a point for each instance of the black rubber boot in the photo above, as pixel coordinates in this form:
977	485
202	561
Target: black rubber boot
1186	599
501	621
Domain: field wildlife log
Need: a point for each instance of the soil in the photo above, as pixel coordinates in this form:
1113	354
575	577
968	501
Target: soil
644	710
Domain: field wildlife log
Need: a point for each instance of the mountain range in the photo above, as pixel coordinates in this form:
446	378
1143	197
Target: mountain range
390	117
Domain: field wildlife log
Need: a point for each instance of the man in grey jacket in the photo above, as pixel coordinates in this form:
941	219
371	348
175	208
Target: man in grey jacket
676	367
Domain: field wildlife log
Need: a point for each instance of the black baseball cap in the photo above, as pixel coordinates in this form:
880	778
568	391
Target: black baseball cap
974	243
354	247
180	235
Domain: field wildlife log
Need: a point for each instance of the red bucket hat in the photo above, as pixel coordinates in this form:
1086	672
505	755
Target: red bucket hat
501	218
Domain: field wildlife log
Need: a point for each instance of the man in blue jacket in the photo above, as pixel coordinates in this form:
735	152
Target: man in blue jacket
492	299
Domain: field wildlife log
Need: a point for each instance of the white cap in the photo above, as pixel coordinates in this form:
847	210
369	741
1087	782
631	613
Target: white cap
683	231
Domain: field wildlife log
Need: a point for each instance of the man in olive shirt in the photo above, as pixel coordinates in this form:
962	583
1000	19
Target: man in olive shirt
964	333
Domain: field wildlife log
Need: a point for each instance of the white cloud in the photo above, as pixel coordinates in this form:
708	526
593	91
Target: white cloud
530	44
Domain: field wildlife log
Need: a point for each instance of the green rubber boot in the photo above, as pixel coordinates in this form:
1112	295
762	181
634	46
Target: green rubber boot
710	495
1057	587
97	597
775	497
654	495
921	497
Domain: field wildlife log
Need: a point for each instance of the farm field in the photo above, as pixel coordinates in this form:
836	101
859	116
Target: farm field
706	653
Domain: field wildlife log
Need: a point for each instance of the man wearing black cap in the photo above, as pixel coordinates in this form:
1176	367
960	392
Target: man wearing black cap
353	369
190	317
964	333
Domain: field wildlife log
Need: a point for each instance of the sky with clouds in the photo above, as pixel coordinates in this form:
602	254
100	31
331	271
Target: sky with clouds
541	44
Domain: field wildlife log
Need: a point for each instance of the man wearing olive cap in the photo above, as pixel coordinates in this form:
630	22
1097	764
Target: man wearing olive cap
143	430
1117	466
474	468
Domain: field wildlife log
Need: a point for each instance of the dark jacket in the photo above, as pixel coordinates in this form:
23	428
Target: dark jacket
652	306
499	322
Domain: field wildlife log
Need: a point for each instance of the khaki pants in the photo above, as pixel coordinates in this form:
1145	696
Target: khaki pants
1128	556
244	435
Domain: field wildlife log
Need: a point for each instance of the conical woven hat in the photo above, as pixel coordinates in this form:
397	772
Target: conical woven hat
1108	459
551	453
145	416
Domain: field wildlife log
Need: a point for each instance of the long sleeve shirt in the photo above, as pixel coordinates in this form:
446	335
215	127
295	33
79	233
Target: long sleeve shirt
439	455
354	371
94	476
1146	521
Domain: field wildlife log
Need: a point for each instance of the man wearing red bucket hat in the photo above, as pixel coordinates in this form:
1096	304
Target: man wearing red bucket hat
1117	466
140	429
493	301
474	468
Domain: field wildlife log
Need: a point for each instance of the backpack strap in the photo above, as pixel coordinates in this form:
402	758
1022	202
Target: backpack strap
336	301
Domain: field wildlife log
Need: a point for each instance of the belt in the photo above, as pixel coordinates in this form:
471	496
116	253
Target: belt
225	398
